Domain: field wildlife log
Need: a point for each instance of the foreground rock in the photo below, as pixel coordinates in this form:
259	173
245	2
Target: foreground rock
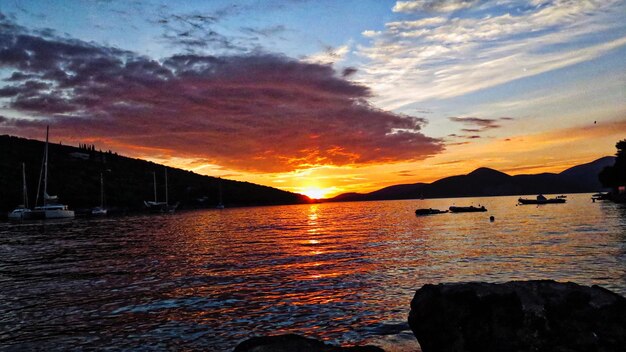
291	342
518	316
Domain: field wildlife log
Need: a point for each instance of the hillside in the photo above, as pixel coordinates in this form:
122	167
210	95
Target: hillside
488	182
74	175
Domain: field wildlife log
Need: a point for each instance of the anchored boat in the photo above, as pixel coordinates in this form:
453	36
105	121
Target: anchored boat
50	209
429	211
160	207
542	200
470	209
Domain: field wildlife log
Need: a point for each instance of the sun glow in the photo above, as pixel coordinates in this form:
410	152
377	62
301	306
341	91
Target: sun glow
314	192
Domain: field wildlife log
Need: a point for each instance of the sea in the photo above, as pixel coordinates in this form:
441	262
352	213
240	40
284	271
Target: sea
341	272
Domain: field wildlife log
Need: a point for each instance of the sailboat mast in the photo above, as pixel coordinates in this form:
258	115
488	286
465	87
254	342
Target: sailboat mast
220	191
154	183
39	182
101	191
25	194
45	176
166	196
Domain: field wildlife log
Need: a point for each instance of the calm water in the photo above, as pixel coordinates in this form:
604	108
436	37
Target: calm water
345	272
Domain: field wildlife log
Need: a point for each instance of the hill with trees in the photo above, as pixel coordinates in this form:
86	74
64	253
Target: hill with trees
74	175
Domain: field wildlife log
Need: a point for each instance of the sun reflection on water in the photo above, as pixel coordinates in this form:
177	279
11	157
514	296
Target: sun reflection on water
344	272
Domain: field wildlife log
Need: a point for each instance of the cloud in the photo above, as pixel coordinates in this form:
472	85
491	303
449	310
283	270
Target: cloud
405	173
476	125
265	31
483	123
437	57
194	31
348	71
330	55
433	5
255	112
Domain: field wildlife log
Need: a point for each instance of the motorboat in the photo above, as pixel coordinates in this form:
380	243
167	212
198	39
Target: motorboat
542	200
470	209
429	211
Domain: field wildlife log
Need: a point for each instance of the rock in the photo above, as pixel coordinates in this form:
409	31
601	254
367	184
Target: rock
518	316
295	343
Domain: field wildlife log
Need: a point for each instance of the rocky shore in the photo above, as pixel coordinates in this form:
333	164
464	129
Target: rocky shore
517	316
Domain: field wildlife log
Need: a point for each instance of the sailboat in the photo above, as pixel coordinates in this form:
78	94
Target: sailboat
50	209
22	212
220	205
101	210
160	207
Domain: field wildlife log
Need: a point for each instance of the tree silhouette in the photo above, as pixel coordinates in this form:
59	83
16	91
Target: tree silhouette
614	176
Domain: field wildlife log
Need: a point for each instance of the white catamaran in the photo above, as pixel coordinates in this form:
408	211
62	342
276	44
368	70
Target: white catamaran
156	206
50	209
22	211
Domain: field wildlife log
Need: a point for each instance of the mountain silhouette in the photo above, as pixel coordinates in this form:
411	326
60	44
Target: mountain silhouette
489	182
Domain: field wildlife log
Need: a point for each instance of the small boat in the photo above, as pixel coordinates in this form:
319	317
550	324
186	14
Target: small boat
22	212
220	204
600	196
429	211
98	211
470	209
542	200
50	209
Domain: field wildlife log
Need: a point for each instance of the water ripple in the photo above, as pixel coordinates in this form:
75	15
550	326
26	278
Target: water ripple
344	272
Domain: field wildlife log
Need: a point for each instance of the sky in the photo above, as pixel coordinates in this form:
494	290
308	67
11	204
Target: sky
321	97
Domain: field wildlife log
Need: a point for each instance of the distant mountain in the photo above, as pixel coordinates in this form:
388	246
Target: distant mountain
588	173
75	178
488	182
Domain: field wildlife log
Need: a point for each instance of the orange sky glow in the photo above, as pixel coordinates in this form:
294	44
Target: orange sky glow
292	97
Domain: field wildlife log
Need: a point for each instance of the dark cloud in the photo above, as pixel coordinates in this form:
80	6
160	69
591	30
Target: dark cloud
348	71
471	130
196	30
19	76
453	161
484	124
454	135
405	173
507	118
261	112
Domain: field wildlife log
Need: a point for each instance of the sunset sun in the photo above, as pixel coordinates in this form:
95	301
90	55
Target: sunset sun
315	192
